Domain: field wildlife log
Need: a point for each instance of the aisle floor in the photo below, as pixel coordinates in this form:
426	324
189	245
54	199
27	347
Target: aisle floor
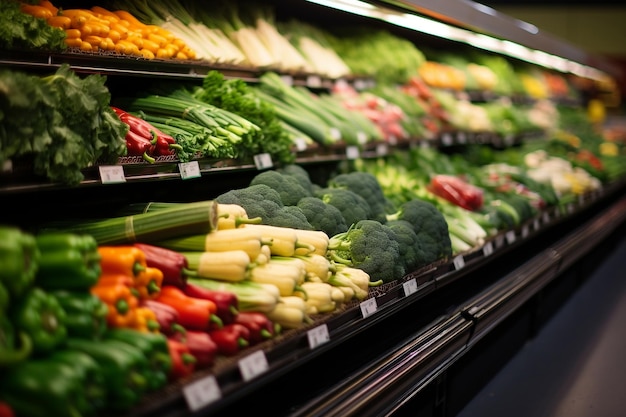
576	364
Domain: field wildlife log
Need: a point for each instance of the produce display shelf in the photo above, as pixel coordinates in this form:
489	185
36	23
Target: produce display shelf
415	361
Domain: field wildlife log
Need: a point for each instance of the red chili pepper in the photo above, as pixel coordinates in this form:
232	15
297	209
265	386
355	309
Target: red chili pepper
193	313
166	316
457	191
173	264
226	301
260	326
183	361
137	145
231	338
201	346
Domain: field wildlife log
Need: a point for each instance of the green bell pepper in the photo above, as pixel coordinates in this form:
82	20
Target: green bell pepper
40	315
10	354
68	261
42	388
124	370
19	258
154	348
91	376
5	298
86	313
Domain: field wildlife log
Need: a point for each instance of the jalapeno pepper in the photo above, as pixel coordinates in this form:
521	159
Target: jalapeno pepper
67	261
40	315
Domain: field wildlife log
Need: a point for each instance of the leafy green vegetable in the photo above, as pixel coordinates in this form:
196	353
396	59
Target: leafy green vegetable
63	121
21	31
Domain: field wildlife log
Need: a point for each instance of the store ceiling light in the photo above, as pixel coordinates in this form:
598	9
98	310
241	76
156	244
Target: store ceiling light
486	42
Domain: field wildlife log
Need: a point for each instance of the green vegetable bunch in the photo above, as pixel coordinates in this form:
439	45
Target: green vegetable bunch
64	122
21	31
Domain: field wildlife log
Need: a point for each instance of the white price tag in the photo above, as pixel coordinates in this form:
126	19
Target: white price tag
461	137
201	393
368	307
510	237
352	152
382	149
314	81
361	138
189	170
253	365
499	241
409	287
545	217
525	231
536	224
335	133
458	262
318	336
446	139
263	161
571	208
393	141
487	249
424	143
7	166
301	144
287	79
111	174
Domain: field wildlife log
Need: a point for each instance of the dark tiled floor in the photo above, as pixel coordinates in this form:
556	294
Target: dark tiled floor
576	365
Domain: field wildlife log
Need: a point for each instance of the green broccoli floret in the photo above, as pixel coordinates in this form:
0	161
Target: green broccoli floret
322	216
411	250
371	246
262	201
352	206
287	186
300	174
367	186
291	216
429	225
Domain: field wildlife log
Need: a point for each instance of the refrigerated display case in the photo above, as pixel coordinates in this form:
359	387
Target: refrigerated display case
419	346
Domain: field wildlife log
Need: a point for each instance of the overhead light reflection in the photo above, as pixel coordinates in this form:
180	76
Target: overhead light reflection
445	31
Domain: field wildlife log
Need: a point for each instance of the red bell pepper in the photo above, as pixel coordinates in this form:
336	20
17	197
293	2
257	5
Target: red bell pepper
227	302
201	346
231	338
457	191
183	362
173	264
260	326
6	410
166	316
193	313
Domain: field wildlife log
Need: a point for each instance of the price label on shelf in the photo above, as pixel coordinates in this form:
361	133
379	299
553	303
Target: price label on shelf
487	249
301	144
201	393
253	365
287	79
409	287
536	224
318	336
368	307
111	174
461	137
189	170
510	236
314	81
545	217
382	149
352	152
446	139
525	231
263	161
458	262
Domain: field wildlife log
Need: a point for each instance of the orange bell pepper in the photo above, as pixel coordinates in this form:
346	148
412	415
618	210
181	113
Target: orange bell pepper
146	320
193	313
148	283
121	303
113	278
124	259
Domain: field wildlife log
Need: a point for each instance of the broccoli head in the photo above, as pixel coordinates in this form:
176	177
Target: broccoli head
352	206
287	186
262	201
300	174
411	250
429	225
370	246
367	186
322	216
